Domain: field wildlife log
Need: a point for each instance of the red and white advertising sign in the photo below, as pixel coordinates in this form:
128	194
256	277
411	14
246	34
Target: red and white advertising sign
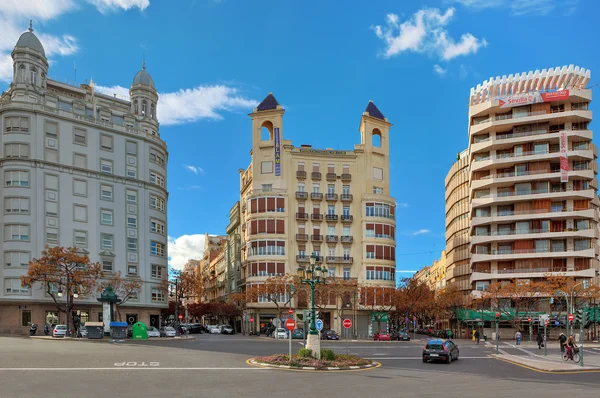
564	160
290	324
563	143
508	101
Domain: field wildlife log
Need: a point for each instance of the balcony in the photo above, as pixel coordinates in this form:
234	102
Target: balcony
301	216
347	218
339	260
301	195
301	237
316	196
331	197
241	282
315	175
482	275
330	176
346	177
347	197
302	258
316	216
332	217
316	238
331	238
300	174
347	239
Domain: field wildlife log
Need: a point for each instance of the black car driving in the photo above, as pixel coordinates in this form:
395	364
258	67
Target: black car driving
400	336
439	350
329	335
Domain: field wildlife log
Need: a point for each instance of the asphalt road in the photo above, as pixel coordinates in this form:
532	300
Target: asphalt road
214	366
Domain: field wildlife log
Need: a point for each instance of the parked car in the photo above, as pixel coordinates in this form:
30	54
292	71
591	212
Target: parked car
298	334
280	333
382	336
153	332
214	329
59	331
437	350
329	335
400	336
82	332
226	329
167	331
195	328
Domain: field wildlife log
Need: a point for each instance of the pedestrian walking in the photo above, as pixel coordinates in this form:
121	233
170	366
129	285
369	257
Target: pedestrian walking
517	337
562	340
540	340
477	336
498	336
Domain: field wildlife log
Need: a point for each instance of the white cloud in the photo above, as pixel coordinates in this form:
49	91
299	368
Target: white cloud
105	6
425	33
194	169
184	248
521	7
421	232
191	105
439	70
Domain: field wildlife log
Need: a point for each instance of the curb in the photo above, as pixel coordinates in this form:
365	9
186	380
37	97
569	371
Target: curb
372	365
542	370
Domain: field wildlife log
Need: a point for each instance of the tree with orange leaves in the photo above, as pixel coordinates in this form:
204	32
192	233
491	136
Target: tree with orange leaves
124	288
379	300
63	270
279	290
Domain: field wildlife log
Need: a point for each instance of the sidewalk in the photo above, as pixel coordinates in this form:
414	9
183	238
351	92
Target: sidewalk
108	338
545	364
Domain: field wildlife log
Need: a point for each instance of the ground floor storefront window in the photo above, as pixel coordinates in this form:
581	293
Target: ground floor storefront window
25	318
51	318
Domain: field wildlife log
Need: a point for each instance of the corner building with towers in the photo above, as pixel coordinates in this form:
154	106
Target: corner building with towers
80	169
296	201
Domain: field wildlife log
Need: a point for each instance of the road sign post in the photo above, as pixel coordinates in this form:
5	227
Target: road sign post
530	329
497	337
290	325
347	325
545	342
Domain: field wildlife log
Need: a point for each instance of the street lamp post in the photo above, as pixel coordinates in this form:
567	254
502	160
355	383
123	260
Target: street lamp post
70	296
177	297
312	276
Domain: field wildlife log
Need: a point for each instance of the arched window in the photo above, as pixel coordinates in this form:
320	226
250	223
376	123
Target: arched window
136	108
144	108
22	73
376	138
266	131
34	76
153	110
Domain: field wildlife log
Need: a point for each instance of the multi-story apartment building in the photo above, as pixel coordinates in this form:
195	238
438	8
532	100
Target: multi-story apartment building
434	275
302	200
533	185
79	169
214	246
233	250
458	270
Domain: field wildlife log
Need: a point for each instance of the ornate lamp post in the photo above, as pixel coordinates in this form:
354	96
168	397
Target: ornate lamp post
312	276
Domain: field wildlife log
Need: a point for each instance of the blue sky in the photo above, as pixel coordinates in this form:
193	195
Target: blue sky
212	61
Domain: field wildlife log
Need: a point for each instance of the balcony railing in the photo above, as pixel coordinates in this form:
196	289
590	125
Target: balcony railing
528	270
518	174
532	211
347	218
347	197
331	176
331	238
529	251
347	239
301	237
315	175
346	177
301	216
331	197
332	217
339	260
302	258
508	116
300	174
527	153
316	196
529	192
316	238
316	216
301	195
529	231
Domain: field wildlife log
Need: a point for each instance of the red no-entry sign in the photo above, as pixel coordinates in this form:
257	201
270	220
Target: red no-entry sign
290	324
529	320
347	323
251	319
290	311
571	317
180	316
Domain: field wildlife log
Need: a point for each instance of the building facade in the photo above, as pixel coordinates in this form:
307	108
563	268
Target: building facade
79	169
233	252
300	200
533	178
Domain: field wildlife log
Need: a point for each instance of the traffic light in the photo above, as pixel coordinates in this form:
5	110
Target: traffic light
579	316
497	317
551	300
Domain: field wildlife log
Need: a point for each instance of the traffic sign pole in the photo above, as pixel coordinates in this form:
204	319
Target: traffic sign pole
290	325
545	342
347	325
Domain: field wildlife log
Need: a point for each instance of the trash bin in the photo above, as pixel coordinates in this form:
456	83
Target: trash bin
118	330
139	331
484	337
95	330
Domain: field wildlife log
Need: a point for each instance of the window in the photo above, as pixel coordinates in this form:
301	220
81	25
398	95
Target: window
266	167
80	213
345	189
79	187
582	244
131	147
52	236
267	187
379	210
16	259
107	265
157	294
33	73
106	192
16	232
157	157
131	197
26	318
16	205
482	286
346	211
267	248
157	179
377	173
316	188
13	286
106	217
80	160
144	108
131	221
132	244
132	269
131	172
16	150
79	136
331	252
331	189
346	231
158	271
51	317
378	190
80	238
331	209
331	230
106	166
346	273
106	142
107	241
15	124
157	227
16	178
157	249
157	203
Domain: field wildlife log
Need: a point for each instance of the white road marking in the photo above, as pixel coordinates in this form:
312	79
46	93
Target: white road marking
119	368
415	358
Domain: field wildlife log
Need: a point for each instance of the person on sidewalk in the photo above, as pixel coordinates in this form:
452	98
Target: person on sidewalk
540	340
562	340
517	337
477	336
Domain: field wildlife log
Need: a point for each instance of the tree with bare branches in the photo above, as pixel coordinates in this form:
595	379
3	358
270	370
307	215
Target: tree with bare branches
379	300
279	290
